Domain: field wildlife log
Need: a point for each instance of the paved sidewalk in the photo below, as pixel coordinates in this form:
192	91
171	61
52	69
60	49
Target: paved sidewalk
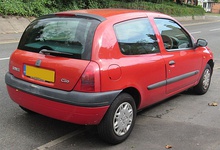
13	24
12	27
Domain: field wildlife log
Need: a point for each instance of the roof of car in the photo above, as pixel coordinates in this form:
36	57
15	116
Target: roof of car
107	13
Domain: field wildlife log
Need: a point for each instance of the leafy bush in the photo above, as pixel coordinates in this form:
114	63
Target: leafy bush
26	7
41	7
169	8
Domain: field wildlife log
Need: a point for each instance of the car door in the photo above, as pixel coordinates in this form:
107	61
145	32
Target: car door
141	62
183	62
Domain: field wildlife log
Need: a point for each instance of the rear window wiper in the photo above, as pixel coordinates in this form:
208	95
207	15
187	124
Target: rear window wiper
56	53
61	54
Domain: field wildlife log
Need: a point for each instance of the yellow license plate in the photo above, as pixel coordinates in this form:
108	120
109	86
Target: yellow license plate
39	73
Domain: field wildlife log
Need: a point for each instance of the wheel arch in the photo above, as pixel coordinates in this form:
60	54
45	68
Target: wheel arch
211	63
135	94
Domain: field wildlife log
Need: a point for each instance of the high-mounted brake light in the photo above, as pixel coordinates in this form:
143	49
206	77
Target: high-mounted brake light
64	14
90	79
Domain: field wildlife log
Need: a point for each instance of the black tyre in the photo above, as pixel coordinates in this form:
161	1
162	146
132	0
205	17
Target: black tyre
204	82
27	110
119	120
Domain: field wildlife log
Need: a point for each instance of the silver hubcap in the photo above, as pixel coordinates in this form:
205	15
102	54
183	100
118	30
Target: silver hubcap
206	79
123	119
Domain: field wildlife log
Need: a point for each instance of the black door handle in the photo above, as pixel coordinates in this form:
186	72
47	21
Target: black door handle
172	62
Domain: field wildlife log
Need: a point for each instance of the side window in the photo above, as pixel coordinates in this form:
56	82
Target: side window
136	37
173	35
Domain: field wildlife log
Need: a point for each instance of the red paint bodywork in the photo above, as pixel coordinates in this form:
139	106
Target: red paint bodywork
117	71
60	111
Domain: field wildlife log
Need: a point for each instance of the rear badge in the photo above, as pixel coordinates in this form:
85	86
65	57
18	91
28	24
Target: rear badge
15	68
38	62
64	80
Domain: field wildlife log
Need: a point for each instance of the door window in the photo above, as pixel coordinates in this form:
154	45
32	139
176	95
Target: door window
174	36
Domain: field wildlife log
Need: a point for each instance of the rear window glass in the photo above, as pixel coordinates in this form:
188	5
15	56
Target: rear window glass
60	36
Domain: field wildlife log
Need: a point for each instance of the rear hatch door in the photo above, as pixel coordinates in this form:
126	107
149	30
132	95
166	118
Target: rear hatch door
54	51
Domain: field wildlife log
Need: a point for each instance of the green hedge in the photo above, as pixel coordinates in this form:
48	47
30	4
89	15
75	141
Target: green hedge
167	8
20	8
41	7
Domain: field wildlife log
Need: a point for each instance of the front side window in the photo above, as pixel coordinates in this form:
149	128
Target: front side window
173	35
60	36
136	37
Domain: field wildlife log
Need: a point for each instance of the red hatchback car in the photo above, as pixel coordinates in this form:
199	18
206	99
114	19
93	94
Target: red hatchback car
99	67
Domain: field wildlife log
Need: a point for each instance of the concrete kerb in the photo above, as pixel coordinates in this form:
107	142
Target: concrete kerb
189	18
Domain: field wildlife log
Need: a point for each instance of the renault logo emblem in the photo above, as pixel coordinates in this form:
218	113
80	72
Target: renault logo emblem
38	62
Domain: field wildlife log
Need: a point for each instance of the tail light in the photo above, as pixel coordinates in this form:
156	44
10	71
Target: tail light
90	79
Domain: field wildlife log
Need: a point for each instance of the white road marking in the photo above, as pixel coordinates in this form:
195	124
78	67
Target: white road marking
197	32
215	29
61	139
9	41
6	58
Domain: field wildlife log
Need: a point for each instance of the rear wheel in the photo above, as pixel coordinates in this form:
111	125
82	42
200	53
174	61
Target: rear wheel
27	110
204	83
119	120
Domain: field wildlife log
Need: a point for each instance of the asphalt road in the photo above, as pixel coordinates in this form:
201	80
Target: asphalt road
185	121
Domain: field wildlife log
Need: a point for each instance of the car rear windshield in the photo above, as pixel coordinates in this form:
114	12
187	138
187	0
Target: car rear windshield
61	36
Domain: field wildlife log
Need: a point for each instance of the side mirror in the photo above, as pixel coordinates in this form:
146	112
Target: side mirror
201	43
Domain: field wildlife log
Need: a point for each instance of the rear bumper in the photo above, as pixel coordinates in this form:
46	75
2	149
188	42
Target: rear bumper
75	107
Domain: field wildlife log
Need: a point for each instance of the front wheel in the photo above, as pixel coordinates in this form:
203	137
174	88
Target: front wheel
204	82
119	120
